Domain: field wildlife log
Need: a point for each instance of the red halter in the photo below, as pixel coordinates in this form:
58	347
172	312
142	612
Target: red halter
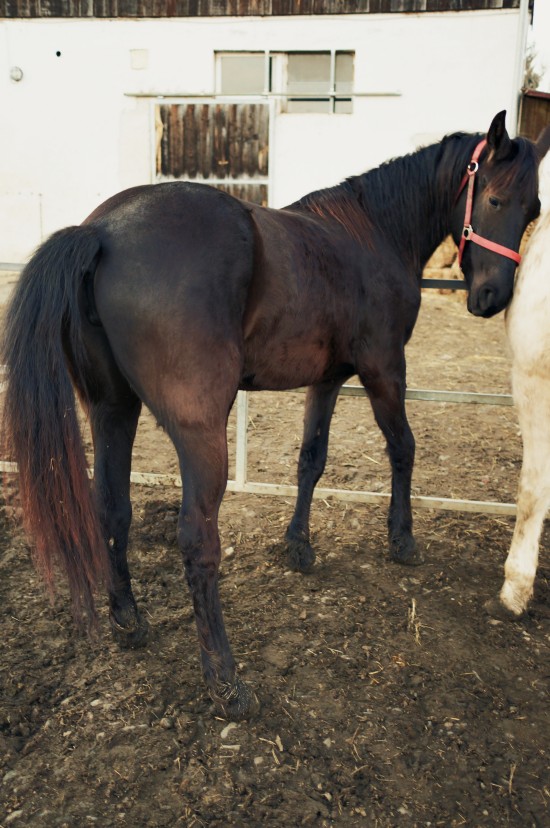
468	233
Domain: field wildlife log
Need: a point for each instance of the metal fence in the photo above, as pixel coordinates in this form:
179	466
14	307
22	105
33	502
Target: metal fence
241	483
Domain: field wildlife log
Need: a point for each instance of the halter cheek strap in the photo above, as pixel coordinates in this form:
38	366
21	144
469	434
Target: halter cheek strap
468	233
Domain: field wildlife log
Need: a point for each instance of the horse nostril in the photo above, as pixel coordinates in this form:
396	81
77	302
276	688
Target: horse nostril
486	299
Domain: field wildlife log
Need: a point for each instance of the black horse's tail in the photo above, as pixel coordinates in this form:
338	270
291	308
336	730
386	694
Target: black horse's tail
40	429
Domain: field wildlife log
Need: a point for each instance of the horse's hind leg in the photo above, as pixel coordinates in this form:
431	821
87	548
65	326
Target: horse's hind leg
113	426
113	410
114	422
386	390
532	397
320	402
202	452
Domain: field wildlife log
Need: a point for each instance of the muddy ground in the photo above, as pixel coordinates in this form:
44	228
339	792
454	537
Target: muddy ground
388	697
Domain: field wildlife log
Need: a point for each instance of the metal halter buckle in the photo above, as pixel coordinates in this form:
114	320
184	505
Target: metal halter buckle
467	231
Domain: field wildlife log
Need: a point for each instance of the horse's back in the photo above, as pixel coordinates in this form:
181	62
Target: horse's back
178	228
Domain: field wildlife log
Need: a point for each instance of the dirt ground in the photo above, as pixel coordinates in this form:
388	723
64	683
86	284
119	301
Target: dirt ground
388	698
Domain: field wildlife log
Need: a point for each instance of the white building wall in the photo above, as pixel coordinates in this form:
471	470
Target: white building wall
75	130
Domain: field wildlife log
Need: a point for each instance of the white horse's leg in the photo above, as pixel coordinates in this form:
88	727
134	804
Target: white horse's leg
529	338
532	397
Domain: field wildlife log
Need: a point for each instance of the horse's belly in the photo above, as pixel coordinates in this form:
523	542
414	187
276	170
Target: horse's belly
289	365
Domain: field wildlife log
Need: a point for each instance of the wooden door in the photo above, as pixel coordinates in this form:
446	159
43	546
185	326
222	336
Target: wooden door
222	144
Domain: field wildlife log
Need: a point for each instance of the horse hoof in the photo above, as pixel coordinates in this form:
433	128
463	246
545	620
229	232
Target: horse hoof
300	556
496	609
235	701
407	554
132	634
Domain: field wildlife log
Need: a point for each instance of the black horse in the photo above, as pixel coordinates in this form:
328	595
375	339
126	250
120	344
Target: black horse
177	295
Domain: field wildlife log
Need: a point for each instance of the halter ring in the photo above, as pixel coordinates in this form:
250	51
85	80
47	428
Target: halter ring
467	231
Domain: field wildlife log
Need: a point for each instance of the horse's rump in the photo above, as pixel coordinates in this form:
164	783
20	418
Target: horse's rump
171	287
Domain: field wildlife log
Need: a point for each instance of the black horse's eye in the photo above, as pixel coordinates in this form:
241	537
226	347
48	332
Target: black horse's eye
494	202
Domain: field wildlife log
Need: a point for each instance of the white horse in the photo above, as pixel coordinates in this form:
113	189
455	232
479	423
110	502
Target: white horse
528	330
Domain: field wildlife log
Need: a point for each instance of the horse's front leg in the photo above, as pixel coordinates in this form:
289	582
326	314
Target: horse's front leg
319	407
386	390
532	399
203	462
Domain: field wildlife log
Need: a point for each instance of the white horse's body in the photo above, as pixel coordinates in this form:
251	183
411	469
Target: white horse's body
528	329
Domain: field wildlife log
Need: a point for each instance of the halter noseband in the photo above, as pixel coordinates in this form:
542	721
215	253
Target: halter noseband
468	233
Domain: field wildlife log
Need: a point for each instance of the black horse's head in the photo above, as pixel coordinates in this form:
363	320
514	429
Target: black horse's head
498	200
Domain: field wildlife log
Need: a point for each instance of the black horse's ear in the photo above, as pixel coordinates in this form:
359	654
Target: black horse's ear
498	140
543	143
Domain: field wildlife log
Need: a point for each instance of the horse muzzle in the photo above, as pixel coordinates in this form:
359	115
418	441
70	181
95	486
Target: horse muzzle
488	299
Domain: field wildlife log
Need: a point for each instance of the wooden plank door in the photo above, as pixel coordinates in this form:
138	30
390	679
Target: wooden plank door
222	144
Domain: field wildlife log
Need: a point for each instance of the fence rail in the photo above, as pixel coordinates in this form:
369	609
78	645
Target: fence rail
243	485
12	267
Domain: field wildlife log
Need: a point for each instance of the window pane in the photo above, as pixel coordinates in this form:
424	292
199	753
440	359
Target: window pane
343	106
343	74
242	74
301	105
308	74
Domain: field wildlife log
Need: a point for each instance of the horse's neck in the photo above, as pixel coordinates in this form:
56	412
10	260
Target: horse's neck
533	279
411	200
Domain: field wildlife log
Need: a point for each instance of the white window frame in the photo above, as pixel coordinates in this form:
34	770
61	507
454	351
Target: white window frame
276	78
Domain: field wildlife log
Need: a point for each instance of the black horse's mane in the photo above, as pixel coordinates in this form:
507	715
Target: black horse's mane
382	192
399	196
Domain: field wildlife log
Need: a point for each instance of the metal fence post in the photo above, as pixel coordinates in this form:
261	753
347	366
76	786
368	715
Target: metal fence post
241	459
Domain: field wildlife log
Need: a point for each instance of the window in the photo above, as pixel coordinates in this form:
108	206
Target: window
242	74
313	78
304	81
